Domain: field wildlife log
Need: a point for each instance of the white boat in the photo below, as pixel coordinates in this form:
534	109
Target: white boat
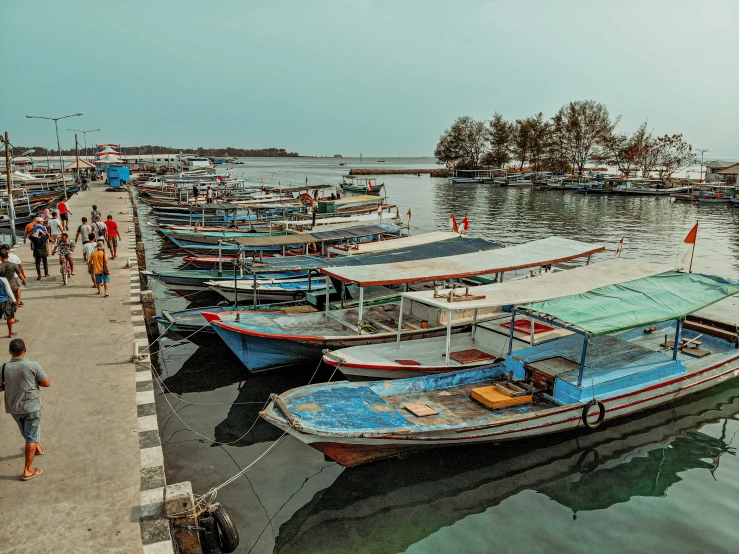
189	162
486	341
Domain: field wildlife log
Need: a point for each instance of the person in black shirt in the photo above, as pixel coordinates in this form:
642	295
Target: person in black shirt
38	244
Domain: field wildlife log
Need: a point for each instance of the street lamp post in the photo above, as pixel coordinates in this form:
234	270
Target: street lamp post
58	145
702	151
84	137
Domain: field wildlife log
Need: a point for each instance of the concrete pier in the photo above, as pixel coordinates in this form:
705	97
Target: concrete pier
103	480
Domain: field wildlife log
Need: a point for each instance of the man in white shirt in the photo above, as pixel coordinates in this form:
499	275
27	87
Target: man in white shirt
87	249
55	228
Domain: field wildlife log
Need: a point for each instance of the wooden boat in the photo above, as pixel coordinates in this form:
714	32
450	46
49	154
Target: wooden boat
264	342
487	341
269	290
580	471
618	361
361	185
196	279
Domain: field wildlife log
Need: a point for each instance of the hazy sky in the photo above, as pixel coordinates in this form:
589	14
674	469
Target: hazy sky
377	77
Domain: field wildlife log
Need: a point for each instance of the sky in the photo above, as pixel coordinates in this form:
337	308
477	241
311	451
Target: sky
378	77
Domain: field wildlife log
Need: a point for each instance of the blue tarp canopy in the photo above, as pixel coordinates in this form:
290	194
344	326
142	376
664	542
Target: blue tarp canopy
450	247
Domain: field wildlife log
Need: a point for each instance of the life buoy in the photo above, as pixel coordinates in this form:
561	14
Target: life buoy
306	199
601	414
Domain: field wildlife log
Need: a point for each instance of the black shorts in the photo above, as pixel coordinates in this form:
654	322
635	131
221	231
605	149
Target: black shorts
7	309
64	217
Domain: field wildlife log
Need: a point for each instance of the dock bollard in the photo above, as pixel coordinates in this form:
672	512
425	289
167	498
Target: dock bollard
179	507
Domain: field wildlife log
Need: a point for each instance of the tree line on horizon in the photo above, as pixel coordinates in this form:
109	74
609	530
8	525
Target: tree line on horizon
148	149
580	132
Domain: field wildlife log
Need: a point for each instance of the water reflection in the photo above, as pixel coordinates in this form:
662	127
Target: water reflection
387	507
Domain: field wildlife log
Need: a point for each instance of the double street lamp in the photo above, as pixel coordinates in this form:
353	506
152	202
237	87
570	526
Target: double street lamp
58	146
84	135
702	151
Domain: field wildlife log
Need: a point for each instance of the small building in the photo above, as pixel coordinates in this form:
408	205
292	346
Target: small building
729	174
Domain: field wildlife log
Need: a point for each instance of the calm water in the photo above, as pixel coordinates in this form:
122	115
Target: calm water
663	482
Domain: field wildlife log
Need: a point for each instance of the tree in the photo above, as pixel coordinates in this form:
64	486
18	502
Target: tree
584	126
624	150
500	135
673	154
557	159
541	136
522	139
464	143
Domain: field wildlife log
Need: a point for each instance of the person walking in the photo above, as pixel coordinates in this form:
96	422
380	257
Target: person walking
64	214
94	213
88	248
99	265
65	248
55	228
83	231
39	243
195	193
15	284
7	305
100	230
209	194
113	236
13	273
21	380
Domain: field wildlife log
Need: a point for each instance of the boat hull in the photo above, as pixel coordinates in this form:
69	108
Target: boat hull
364	448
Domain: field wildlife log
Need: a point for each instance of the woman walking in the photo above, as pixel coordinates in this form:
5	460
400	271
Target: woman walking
98	265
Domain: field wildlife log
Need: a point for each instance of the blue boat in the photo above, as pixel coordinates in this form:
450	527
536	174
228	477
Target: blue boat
266	341
618	360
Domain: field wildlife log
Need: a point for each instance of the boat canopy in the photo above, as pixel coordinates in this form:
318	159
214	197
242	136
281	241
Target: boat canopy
530	254
308	238
637	303
296	188
541	287
403	252
415	240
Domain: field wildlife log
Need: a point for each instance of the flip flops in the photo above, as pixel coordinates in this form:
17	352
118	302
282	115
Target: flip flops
36	472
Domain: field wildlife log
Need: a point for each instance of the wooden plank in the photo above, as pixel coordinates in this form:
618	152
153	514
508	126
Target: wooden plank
494	398
421	410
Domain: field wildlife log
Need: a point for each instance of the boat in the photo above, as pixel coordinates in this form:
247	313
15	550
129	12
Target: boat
486	342
582	472
264	342
269	290
715	194
196	279
188	162
619	360
361	185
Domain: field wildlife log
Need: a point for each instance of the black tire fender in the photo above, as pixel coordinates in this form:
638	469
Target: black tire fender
601	414
229	535
299	295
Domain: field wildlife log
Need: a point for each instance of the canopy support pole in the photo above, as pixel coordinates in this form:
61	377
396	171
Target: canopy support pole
531	332
400	324
360	313
254	290
510	331
582	360
328	290
675	347
241	259
310	279
220	259
587	262
474	324
448	336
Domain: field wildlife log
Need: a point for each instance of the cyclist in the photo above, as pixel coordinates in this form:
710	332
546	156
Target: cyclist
65	248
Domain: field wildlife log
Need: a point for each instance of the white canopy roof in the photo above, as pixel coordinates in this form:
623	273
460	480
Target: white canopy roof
547	286
373	217
530	254
394	244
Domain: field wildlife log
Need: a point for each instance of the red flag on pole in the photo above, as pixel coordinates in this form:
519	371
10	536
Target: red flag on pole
409	214
465	224
453	224
620	247
692	235
369	185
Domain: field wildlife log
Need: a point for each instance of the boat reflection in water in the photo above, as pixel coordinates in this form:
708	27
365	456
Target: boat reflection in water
389	506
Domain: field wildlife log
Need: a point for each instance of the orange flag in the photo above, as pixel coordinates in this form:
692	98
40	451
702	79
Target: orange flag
692	235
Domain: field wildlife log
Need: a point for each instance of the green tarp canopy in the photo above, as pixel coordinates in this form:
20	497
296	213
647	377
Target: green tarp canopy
638	303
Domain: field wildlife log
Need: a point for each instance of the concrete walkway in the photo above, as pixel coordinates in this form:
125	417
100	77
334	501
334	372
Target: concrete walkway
86	500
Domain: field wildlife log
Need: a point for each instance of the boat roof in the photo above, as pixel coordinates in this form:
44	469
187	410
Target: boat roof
530	254
296	188
542	287
415	240
401	251
637	303
332	220
308	238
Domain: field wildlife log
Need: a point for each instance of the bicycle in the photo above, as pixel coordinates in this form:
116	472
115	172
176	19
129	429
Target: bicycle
66	269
